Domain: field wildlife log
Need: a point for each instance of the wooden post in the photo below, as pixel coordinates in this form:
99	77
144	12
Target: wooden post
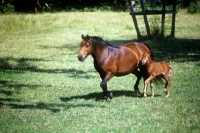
135	21
173	20
163	19
145	19
153	12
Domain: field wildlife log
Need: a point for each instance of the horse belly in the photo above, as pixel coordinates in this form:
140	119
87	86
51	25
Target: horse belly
120	63
128	61
156	69
126	67
123	73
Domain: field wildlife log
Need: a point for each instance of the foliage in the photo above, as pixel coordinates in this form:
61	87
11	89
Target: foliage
29	6
155	26
44	88
10	8
194	7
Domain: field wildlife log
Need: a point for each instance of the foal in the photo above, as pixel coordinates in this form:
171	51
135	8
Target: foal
156	70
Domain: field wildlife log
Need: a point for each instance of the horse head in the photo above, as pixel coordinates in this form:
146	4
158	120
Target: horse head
145	58
85	47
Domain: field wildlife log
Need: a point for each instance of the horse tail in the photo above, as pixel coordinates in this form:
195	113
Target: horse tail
158	81
170	71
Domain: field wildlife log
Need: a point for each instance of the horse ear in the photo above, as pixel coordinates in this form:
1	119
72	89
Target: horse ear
87	38
82	36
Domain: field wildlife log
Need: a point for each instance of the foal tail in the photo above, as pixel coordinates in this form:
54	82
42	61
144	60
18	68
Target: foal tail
158	81
170	71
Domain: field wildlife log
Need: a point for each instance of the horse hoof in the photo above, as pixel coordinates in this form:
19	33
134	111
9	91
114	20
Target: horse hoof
110	95
105	98
167	96
165	90
137	92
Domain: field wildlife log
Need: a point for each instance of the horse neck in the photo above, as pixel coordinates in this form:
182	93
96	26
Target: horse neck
98	48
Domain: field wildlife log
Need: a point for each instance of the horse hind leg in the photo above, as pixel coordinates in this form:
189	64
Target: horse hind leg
168	82
145	89
167	88
152	89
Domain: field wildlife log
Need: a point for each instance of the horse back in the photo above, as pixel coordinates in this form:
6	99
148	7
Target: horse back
119	61
167	68
159	68
138	48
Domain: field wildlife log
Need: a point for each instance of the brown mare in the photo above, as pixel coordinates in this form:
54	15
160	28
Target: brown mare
110	61
156	70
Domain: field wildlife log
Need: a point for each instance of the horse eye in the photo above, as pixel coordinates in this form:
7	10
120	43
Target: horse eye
87	46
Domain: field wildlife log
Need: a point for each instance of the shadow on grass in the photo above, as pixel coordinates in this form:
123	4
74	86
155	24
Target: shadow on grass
98	96
171	49
14	103
64	46
9	87
53	107
20	65
73	49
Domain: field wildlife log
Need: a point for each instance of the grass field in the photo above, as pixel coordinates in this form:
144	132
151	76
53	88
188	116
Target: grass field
44	88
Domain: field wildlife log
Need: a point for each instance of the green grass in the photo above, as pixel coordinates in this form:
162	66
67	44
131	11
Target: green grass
44	88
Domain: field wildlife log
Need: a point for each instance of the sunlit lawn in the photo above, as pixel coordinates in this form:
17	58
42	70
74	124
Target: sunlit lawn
44	88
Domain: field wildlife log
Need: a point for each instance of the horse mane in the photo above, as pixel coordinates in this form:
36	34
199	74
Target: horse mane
151	55
100	39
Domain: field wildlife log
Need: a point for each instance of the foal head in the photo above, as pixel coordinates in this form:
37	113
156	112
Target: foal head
85	48
145	58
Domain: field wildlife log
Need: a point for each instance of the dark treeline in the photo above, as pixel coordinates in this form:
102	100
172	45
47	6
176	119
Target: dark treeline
67	5
26	5
53	5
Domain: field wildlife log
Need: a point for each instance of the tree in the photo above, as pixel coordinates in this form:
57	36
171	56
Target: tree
38	5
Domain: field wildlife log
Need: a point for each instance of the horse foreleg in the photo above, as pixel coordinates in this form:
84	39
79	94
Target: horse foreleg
145	89
103	85
145	85
139	76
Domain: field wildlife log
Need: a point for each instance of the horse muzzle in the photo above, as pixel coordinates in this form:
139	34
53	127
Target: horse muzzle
143	62
81	58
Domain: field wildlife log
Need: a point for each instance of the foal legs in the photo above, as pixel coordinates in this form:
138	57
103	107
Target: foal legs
167	87
152	89
145	86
